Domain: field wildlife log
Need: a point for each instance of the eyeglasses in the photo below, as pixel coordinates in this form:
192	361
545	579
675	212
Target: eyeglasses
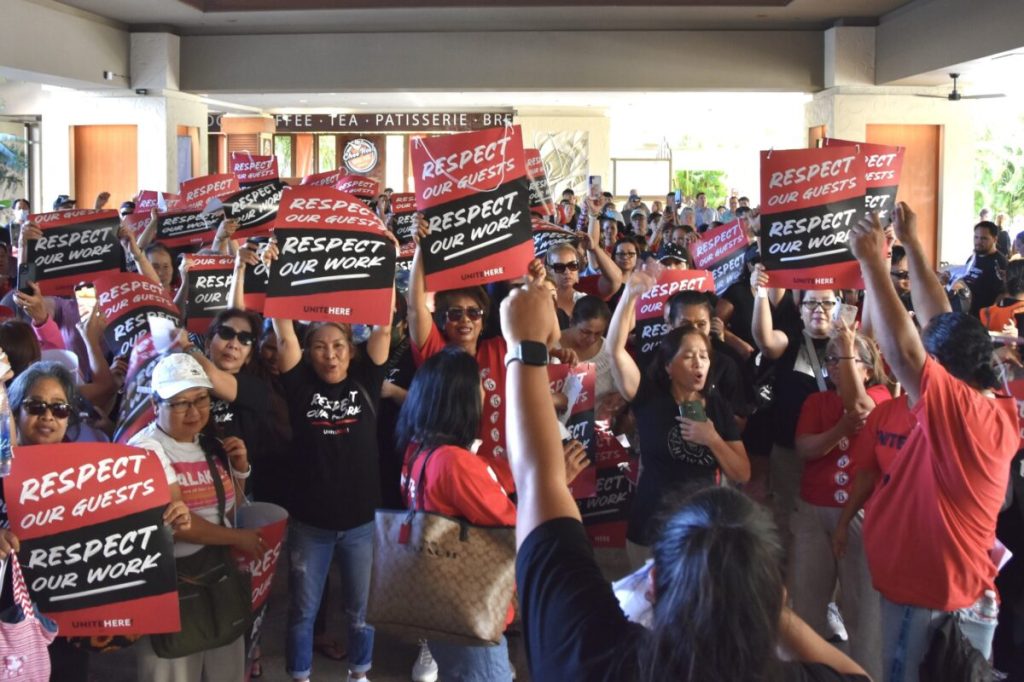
560	268
183	406
625	254
833	360
228	334
456	314
900	274
824	305
37	408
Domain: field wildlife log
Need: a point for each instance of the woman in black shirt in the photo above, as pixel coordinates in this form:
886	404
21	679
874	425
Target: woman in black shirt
718	592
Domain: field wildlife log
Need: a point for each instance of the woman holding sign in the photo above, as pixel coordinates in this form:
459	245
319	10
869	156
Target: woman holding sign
688	436
333	397
41	401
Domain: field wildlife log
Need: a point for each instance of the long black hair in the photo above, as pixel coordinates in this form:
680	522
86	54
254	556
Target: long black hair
667	350
443	405
718	593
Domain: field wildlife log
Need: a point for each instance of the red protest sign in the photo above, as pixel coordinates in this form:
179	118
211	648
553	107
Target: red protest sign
250	169
76	246
254	208
578	383
358	186
403	208
541	201
136	409
473	189
125	299
650	317
184	228
810	199
883	165
606	513
336	262
271	522
94	550
208	278
721	251
254	283
194	193
325	179
548	235
146	200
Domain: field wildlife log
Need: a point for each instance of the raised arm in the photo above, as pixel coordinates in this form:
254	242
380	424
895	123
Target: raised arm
244	259
378	347
770	341
149	234
225	385
131	247
852	391
625	373
418	316
925	289
531	429
102	387
289	352
897	338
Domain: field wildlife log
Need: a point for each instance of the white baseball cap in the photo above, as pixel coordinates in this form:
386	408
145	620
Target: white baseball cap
178	372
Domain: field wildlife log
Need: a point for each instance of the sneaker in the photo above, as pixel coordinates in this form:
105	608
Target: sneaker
425	667
835	623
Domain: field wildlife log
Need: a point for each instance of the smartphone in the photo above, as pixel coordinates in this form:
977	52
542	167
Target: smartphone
693	409
594	183
847	313
85	295
26	275
679	197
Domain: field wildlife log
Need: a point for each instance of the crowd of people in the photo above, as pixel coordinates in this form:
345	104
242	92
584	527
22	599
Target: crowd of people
815	494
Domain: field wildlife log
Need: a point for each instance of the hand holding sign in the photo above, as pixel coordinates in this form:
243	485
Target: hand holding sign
905	224
576	460
867	239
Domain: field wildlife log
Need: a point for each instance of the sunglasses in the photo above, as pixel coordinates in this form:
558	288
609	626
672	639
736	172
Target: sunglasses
37	408
456	314
560	268
900	274
228	334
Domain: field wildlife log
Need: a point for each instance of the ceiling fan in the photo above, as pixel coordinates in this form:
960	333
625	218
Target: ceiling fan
955	96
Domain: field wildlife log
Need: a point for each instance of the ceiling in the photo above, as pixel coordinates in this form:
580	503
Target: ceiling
336	16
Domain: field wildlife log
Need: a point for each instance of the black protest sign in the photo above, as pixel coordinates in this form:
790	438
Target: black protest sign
403	212
548	235
94	550
336	262
136	409
254	285
811	199
883	166
209	278
126	299
76	246
579	417
650	316
184	228
254	208
541	201
722	252
475	194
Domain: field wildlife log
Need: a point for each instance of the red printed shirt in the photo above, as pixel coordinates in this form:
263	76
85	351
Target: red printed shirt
490	355
932	520
827	480
878	444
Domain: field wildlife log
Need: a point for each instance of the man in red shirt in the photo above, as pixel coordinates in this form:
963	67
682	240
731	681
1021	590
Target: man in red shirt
932	519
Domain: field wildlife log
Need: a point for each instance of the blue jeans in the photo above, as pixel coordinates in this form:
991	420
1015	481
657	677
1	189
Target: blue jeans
457	663
907	632
310	552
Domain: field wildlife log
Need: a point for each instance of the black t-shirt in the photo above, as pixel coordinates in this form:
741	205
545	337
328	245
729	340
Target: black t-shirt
573	626
985	278
793	386
400	370
727	378
334	448
668	461
742	300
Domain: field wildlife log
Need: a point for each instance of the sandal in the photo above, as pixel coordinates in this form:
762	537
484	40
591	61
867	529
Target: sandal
330	649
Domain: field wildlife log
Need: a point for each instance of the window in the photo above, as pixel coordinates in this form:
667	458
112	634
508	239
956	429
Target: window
327	153
283	152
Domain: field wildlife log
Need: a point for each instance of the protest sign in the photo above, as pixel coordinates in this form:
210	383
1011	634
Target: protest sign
254	283
606	513
125	299
722	251
810	200
208	280
270	520
94	550
473	190
325	179
136	408
194	193
184	228
883	165
336	261
650	318
76	246
359	186
251	169
547	235
578	383
541	201
403	210
254	208
146	200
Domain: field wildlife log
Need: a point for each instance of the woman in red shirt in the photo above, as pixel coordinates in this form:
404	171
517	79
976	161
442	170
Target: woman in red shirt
827	425
442	475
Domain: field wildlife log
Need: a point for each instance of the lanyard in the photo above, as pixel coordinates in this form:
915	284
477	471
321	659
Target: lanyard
812	358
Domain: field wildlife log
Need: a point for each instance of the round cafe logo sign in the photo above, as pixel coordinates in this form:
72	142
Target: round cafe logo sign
360	156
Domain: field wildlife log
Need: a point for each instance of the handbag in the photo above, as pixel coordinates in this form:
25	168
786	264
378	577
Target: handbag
24	633
438	577
214	595
951	658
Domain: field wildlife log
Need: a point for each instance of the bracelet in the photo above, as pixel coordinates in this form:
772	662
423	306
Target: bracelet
239	475
193	350
761	293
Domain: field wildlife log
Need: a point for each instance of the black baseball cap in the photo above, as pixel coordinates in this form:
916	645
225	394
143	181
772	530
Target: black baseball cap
671	251
61	200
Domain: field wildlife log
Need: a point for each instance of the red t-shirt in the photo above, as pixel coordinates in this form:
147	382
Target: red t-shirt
932	520
490	355
826	481
886	430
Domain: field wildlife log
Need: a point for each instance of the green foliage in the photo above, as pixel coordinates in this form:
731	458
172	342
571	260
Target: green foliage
999	172
711	182
13	162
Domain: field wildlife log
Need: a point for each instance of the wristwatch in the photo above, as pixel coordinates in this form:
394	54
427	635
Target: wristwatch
529	353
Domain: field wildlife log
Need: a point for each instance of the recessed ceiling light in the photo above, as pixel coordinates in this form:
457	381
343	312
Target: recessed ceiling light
363	104
303	101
